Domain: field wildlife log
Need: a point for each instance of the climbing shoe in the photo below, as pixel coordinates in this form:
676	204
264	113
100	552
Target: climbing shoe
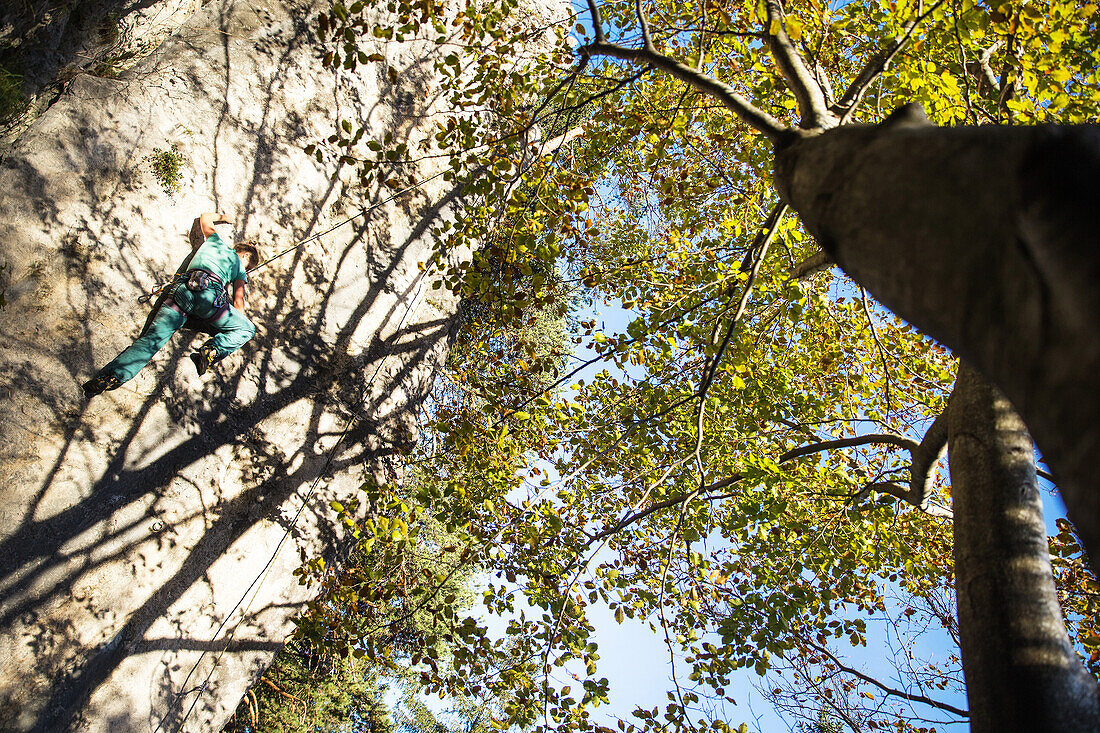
100	384
204	358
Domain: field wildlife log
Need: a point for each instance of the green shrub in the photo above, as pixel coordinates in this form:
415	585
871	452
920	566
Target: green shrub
167	168
12	100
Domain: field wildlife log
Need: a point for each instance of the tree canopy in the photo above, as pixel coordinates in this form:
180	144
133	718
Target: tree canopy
747	457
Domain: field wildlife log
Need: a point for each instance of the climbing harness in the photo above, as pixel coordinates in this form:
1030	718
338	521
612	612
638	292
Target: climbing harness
200	280
196	281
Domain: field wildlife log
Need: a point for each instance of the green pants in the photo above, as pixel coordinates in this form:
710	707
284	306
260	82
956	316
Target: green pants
233	330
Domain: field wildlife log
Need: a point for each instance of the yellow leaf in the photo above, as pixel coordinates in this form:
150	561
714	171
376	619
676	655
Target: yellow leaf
794	28
1060	74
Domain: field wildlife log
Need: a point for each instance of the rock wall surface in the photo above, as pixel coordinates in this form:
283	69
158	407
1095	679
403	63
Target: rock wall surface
46	44
148	537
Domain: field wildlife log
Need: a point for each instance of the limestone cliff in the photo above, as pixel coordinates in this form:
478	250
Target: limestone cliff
46	44
148	537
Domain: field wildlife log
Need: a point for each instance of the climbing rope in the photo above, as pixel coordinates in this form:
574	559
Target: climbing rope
365	210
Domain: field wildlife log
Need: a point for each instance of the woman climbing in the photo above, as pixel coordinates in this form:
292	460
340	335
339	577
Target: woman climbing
198	292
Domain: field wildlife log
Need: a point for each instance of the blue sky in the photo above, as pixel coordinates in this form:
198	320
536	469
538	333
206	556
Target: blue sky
636	660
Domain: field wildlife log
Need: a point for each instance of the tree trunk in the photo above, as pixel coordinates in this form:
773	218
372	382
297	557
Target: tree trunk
985	239
1021	672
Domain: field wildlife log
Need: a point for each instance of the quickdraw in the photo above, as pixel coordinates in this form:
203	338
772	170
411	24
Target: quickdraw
160	287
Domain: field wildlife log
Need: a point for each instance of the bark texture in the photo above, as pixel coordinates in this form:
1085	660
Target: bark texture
1021	672
985	238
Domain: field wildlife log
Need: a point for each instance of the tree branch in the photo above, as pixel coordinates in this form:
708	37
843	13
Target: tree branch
878	63
748	113
987	70
814	110
763	237
597	20
812	265
902	492
925	457
888	690
279	690
823	79
702	37
1006	87
647	40
556	142
641	514
754	258
871	438
805	450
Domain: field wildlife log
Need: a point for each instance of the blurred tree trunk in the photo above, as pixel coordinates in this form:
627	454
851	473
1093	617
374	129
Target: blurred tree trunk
1021	672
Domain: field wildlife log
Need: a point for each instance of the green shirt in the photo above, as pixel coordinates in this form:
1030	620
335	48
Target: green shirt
215	256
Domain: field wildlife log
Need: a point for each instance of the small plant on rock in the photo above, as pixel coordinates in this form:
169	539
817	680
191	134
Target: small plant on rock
167	168
12	100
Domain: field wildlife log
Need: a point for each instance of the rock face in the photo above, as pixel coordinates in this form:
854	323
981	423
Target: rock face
46	44
148	538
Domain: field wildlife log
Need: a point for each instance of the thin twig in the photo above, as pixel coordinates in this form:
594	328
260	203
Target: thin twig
881	352
888	690
581	567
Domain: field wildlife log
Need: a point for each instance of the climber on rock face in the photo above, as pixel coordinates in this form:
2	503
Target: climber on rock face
199	292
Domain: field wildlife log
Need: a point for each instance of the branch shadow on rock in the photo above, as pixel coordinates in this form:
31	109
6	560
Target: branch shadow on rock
52	546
